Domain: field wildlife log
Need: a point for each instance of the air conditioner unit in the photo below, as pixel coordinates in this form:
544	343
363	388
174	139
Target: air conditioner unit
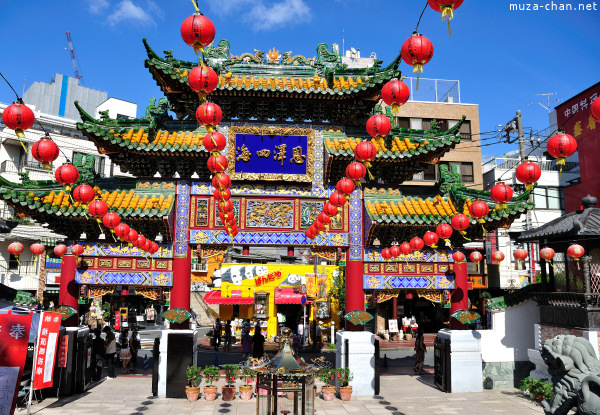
200	267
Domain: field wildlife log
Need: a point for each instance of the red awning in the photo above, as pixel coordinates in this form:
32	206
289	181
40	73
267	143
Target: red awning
214	297
288	296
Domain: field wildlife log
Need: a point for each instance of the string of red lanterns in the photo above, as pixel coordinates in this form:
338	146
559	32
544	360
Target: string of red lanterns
417	51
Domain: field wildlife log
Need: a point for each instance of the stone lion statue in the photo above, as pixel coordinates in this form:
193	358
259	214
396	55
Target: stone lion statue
575	372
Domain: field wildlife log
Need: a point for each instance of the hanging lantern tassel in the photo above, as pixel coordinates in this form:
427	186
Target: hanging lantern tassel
447	15
418	69
577	262
463	234
99	226
482	221
551	264
447	242
21	135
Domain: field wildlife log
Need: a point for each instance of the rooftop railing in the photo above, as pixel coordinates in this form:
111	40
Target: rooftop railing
511	163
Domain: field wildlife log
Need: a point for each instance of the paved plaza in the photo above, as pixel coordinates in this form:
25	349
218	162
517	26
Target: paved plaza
408	395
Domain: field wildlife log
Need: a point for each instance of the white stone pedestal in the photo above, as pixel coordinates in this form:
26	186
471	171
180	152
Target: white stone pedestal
361	358
465	356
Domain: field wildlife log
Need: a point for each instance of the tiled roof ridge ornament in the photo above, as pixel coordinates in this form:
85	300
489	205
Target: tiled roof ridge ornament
589	201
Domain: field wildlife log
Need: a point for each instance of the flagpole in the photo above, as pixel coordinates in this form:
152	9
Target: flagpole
34	359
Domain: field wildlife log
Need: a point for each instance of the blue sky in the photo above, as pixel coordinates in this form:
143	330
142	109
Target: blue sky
502	58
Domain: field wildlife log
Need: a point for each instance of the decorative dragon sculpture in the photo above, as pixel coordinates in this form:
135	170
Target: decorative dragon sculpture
575	372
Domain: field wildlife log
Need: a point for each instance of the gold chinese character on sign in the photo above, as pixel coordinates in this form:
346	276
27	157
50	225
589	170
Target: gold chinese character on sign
281	155
577	130
244	153
263	153
591	124
297	156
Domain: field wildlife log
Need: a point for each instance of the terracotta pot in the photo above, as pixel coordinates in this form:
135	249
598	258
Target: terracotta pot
328	392
245	392
192	393
540	397
210	393
228	393
345	392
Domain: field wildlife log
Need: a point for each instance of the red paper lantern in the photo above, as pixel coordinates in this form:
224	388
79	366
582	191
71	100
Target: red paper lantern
446	8
595	110
203	79
386	254
501	193
230	216
417	243
309	234
111	220
458	256
365	152
217	163
431	239
528	173
395	251
16	248
337	199
60	250
97	208
520	254
498	256
444	231
221	181
345	186
122	230
330	209
67	175
154	248
209	114
405	248
324	218
547	253
132	236
561	146
225	206
575	251
147	245
222	194
214	141
45	151
319	225
18	117
379	125
76	249
460	222
140	242
313	228
234	232
417	51
475	256
478	210
84	194
356	171
395	93
409	296
37	249
197	31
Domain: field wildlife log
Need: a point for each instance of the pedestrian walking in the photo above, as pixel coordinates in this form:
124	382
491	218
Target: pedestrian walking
227	344
246	345
420	350
135	344
99	350
124	354
111	350
217	334
258	343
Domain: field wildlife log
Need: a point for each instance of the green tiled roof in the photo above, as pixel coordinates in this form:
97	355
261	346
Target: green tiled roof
512	299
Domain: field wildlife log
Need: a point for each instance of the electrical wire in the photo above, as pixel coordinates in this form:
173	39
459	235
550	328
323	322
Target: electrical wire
11	87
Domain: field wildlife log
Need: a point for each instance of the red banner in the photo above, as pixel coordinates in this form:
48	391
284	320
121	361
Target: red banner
117	320
62	351
14	337
46	350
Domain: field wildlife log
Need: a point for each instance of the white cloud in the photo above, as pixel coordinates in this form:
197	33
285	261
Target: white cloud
126	11
261	16
97	6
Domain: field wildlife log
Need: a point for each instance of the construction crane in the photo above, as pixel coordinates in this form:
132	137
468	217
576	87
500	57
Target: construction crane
73	59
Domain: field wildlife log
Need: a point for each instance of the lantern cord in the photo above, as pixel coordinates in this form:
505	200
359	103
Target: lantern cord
419	22
11	87
195	3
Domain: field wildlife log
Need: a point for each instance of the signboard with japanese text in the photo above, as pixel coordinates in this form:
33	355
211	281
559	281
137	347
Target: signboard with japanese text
270	153
117	320
62	351
46	350
14	338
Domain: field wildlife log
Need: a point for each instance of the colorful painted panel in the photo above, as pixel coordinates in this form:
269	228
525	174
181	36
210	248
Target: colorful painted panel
268	238
309	212
266	153
201	212
356	208
382	282
236	213
265	214
124	250
163	279
425	255
443	282
182	219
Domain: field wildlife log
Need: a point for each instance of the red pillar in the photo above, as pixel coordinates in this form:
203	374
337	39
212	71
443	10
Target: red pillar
290	250
182	285
459	299
69	289
355	297
245	250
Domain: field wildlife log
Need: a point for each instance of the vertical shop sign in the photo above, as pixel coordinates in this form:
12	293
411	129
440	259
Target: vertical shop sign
62	351
117	320
45	350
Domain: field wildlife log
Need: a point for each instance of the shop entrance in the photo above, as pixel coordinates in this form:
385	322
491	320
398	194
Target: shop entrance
292	314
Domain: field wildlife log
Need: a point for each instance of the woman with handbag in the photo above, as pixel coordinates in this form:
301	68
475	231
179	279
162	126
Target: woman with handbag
125	354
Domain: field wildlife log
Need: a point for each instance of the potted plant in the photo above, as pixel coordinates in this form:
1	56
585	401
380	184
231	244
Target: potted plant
326	375
344	376
194	377
543	390
525	385
211	375
246	389
229	389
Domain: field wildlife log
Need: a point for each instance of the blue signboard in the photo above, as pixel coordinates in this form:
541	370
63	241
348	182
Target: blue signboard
271	153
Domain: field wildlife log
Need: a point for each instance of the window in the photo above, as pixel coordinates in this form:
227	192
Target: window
429	173
99	161
426	123
547	198
403	122
466	172
416	123
465	130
